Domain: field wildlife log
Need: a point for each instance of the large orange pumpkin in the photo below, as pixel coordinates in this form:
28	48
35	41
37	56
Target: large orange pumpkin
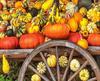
94	39
8	43
78	17
73	25
56	31
28	41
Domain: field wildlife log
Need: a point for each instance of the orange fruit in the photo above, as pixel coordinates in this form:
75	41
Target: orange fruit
78	17
73	25
83	43
18	4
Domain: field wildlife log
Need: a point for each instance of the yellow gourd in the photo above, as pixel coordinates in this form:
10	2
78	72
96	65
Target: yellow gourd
35	77
33	29
47	4
5	66
51	61
84	75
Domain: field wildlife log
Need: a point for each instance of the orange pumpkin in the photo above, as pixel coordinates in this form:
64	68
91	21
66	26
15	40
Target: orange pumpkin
18	4
94	39
78	17
73	25
56	31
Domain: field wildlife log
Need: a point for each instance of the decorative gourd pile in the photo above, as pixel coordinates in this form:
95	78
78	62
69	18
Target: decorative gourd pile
29	23
75	64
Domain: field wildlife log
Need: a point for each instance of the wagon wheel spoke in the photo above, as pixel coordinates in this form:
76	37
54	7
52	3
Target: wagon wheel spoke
58	68
92	79
34	70
51	74
74	75
67	68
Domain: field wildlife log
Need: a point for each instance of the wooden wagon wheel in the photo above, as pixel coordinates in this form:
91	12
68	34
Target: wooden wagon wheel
56	44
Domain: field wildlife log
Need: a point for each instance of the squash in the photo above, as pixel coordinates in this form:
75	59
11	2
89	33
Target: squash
84	74
41	67
74	37
10	32
78	17
75	1
51	61
63	61
92	28
18	4
35	77
94	39
73	24
83	11
74	65
28	41
71	8
8	43
56	31
5	65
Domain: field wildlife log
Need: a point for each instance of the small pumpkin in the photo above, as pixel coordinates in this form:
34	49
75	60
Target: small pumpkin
35	77
73	25
28	41
74	37
56	31
94	39
3	27
9	42
83	11
51	61
78	17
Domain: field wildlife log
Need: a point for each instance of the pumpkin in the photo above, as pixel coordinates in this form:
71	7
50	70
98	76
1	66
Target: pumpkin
74	37
28	41
41	38
73	25
35	77
94	39
78	17
8	42
83	11
56	31
51	61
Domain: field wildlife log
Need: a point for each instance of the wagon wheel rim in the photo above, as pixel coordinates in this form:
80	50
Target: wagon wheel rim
56	43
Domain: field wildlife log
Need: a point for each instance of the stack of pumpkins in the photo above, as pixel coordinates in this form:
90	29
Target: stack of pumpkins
28	23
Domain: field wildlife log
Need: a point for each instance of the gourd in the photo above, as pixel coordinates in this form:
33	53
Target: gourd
35	77
92	28
71	8
41	67
74	65
51	61
63	61
84	74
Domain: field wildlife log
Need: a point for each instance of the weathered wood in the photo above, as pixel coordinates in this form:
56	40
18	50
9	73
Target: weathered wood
23	53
